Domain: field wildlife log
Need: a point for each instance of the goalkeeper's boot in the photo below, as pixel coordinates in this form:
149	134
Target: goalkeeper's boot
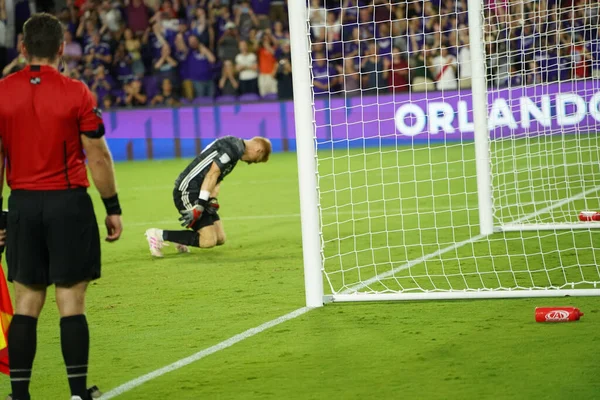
155	241
182	248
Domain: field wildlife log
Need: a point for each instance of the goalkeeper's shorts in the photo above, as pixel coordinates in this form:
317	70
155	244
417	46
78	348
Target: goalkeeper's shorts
207	219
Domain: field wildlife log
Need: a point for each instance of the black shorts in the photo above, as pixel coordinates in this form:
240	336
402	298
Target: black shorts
207	219
52	237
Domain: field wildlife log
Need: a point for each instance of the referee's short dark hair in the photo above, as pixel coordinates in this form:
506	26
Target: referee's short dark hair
42	36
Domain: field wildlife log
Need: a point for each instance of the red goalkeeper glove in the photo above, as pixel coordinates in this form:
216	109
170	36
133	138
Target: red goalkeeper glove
191	216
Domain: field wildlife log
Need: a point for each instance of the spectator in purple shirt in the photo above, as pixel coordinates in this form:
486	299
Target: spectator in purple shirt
324	75
350	11
261	9
547	65
97	53
101	83
565	64
87	76
68	19
352	47
85	31
122	65
374	71
223	18
165	67
384	40
200	62
189	9
416	35
366	23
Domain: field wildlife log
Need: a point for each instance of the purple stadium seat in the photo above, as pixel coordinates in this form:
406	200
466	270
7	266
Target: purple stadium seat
185	101
249	97
203	100
270	97
226	99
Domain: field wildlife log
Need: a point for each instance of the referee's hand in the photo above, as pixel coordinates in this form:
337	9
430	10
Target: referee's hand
114	227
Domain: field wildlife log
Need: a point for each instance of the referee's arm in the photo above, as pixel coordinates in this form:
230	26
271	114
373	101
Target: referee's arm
100	163
101	166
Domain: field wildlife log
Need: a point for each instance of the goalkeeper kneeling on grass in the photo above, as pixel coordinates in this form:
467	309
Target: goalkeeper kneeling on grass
196	190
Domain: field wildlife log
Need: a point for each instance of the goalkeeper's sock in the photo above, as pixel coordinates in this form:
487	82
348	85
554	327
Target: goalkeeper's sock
187	238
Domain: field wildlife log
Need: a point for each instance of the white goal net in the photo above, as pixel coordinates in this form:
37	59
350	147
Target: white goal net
406	204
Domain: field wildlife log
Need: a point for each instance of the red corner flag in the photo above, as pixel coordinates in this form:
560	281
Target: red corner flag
6	313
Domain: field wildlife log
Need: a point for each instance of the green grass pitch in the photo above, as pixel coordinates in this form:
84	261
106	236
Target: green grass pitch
145	314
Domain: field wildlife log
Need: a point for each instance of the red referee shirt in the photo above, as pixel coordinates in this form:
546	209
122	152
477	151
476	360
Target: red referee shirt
42	115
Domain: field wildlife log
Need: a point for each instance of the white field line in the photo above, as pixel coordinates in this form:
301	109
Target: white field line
557	204
201	354
367	211
410	264
297	215
267	325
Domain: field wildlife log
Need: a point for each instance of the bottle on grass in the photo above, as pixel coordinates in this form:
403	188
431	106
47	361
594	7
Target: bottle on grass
557	314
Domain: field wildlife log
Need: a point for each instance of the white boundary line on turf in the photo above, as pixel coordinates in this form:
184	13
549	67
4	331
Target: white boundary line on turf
410	264
201	354
558	204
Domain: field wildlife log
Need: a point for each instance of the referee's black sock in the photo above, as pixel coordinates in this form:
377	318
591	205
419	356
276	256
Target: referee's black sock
75	343
188	238
22	342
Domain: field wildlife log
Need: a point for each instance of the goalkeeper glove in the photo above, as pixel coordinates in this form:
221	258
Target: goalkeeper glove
213	206
190	217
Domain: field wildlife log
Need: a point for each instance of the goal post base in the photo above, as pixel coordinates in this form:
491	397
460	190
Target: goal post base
461	295
547	227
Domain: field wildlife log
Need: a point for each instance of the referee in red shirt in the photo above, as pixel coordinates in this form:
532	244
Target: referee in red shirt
47	121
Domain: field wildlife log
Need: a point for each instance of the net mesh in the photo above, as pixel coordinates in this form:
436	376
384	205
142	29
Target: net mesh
393	118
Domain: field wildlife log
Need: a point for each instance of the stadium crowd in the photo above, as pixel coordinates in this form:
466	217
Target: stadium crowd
167	52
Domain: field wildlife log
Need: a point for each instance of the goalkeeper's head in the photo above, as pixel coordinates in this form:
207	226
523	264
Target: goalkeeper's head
257	150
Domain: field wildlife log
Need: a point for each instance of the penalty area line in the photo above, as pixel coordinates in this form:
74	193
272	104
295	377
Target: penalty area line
127	386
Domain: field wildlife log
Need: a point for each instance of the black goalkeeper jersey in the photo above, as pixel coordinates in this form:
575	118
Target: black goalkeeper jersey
225	152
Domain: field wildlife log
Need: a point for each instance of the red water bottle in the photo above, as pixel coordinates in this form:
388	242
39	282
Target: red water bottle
557	314
589	216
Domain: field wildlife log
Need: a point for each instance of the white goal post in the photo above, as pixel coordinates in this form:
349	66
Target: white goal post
445	152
